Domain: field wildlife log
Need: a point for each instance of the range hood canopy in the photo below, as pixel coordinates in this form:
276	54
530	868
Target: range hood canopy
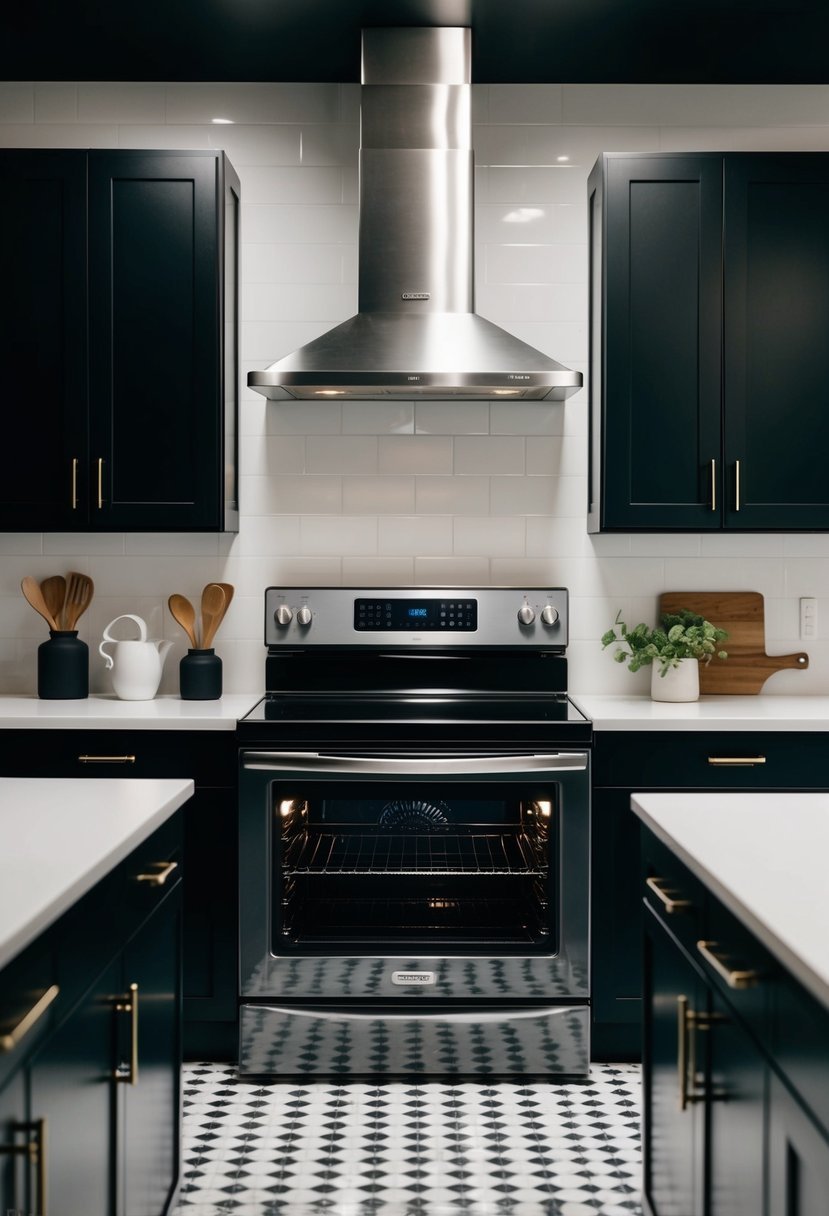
416	334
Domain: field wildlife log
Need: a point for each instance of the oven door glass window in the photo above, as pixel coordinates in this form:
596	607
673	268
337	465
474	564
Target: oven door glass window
413	865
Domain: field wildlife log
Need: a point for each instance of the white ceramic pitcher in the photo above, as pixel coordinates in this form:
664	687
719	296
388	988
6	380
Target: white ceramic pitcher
136	665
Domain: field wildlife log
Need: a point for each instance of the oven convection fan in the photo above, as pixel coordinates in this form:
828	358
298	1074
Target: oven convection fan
414	815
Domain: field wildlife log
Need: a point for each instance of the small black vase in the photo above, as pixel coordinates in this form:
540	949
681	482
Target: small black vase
200	676
63	667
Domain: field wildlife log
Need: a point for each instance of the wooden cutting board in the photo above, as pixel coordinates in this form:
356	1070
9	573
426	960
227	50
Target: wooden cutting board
742	613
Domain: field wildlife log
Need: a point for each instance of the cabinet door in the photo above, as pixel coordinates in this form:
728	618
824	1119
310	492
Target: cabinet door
155	372
616	928
15	1134
149	1142
662	397
776	363
798	1157
43	340
673	1066
72	1089
736	1112
210	907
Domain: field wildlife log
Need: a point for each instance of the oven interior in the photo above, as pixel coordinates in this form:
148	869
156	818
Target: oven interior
414	865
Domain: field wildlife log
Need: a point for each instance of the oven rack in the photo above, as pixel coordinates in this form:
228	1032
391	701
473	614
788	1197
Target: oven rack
505	920
373	853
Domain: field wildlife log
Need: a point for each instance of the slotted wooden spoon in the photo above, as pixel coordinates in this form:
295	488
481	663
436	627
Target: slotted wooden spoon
31	590
79	591
53	590
212	611
184	614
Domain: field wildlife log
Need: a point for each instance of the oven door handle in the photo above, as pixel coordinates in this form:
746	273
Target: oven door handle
320	763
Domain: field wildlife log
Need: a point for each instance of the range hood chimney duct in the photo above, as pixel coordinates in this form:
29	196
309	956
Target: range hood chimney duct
416	335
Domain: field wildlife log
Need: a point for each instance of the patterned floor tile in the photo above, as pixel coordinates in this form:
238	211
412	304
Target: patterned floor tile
410	1149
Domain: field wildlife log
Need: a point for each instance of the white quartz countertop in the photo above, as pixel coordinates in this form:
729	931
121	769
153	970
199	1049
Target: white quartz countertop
108	713
751	713
62	836
764	856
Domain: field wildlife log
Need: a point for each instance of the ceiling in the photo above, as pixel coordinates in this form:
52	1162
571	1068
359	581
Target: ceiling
526	41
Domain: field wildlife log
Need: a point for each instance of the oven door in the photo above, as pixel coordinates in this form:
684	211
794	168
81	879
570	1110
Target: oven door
414	876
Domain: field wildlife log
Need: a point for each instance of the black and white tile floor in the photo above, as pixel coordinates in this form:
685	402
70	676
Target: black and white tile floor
410	1148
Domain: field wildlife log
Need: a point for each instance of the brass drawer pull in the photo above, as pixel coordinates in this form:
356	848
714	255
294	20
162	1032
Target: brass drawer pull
106	759
734	979
670	904
9	1041
737	486
741	761
100	484
130	1005
74	483
713	485
35	1151
159	877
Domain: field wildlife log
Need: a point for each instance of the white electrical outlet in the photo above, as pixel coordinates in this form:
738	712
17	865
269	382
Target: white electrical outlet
808	616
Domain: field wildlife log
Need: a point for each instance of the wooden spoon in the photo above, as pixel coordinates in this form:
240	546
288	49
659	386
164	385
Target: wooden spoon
212	611
228	589
54	594
184	614
31	590
79	591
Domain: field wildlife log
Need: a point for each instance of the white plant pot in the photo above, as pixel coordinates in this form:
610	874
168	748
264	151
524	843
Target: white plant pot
678	684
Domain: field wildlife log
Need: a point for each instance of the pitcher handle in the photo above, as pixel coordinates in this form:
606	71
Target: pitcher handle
125	616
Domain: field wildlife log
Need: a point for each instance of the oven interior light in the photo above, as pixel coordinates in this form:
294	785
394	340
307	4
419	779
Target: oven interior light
545	809
286	807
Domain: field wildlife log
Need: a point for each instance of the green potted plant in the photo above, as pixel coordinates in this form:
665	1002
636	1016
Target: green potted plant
674	650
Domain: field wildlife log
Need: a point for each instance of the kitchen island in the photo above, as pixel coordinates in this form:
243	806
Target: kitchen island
736	1002
90	993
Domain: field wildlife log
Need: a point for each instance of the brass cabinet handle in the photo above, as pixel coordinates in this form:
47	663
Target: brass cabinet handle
159	877
670	904
713	485
106	759
733	978
9	1041
74	483
744	761
101	483
737	486
35	1151
130	1005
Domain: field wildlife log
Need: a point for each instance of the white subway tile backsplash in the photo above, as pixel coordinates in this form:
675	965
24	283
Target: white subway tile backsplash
489	454
423	492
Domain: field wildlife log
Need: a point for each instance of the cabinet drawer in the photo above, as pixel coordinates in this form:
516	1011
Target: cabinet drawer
672	892
209	758
799	1035
735	962
29	1001
701	760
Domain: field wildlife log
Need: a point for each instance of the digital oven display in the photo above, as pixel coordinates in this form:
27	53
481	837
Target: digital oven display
456	615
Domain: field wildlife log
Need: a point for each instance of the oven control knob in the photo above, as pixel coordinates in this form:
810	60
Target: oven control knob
283	615
549	614
526	614
304	616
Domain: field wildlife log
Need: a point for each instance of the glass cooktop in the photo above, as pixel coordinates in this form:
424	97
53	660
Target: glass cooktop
417	707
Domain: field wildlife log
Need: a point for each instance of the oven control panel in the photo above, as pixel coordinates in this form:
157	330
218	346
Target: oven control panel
434	617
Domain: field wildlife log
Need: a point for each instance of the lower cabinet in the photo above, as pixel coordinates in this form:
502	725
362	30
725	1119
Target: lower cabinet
90	1081
726	1131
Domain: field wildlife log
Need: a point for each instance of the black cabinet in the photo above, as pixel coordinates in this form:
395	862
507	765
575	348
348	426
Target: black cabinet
120	325
729	1127
90	1070
623	762
210	914
709	302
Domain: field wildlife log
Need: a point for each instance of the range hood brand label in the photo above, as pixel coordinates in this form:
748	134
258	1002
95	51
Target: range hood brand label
510	376
409	978
416	295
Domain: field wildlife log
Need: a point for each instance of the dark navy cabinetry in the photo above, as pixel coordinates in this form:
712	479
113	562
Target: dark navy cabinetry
709	302
119	340
735	1100
627	761
90	1067
210	911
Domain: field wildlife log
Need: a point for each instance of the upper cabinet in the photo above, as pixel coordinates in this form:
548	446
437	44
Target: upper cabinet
119	341
709	305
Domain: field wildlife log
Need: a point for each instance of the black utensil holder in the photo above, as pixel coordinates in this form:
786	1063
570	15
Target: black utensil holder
63	667
200	676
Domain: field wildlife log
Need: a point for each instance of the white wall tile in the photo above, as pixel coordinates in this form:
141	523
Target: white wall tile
415	534
276	185
17	103
452	417
291	495
378	418
523	103
121	103
341	453
50	135
378	495
488	536
252	102
524	495
137	135
291	264
535	263
23	543
338	534
301	301
292	224
694	105
489	454
56	103
415	454
378	571
536	418
271	455
452	571
304	418
257	143
452	495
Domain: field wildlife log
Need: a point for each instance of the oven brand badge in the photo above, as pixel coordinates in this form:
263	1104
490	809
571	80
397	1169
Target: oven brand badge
409	978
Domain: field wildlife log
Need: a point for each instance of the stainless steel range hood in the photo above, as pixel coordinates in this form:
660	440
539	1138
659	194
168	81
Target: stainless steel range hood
416	334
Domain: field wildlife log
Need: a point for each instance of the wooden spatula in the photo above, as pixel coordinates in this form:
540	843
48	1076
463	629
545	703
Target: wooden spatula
31	590
79	591
184	614
212	611
54	594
